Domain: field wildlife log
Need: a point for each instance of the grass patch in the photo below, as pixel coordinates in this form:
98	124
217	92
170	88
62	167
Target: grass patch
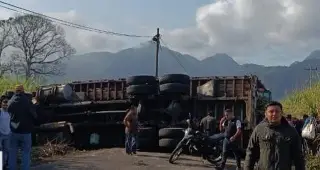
9	83
304	101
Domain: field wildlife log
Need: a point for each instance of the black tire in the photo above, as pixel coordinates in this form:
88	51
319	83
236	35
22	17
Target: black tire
142	79
174	88
175	78
214	159
147	132
143	89
175	133
147	143
176	153
168	143
56	132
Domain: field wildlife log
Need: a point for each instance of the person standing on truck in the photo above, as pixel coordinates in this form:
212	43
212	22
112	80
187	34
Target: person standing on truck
232	132
131	129
4	130
208	124
22	122
274	143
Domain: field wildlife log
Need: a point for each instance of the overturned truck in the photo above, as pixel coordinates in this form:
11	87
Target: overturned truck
90	113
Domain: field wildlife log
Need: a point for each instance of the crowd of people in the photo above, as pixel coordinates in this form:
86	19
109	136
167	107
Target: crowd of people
275	143
17	118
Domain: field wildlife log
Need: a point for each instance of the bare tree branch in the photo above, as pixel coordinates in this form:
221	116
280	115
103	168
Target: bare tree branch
6	40
41	46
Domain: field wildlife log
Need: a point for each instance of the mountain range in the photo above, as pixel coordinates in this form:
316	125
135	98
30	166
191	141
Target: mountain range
141	61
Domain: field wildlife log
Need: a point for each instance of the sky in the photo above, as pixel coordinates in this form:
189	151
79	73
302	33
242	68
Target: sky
276	32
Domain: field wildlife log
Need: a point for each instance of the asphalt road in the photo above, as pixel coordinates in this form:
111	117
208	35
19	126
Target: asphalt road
116	159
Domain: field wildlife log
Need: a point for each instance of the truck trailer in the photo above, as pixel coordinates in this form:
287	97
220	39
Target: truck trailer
90	113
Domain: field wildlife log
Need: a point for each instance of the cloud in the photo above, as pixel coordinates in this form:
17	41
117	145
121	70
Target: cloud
86	41
252	28
83	41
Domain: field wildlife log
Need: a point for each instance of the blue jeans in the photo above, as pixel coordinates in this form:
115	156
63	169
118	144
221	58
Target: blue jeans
4	147
23	142
233	146
130	144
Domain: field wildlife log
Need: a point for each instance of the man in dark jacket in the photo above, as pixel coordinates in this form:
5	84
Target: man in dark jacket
274	143
22	121
208	124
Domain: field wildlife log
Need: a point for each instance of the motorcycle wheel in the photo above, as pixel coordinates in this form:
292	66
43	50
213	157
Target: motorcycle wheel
214	158
176	153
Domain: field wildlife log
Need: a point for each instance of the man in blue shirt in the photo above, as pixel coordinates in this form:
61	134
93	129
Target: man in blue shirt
4	130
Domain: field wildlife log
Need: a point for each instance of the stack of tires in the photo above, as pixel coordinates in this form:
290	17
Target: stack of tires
147	138
170	137
175	84
140	86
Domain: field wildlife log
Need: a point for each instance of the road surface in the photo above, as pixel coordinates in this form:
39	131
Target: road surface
116	159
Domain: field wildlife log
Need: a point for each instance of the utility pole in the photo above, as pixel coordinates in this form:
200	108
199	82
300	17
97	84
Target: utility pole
156	39
311	70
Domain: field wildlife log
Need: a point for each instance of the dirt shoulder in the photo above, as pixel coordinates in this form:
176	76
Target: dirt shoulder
116	159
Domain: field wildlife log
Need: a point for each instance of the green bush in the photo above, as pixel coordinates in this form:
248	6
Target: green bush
304	101
9	83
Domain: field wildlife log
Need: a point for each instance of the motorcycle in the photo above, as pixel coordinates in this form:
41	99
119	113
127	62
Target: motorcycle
210	147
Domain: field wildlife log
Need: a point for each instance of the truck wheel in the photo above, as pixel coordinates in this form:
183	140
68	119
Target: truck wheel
171	133
168	143
59	131
175	78
147	132
137	80
142	89
146	143
175	88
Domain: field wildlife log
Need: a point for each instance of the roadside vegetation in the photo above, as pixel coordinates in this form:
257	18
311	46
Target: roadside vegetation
9	83
305	101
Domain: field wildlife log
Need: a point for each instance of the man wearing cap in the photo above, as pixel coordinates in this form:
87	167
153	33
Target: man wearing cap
22	121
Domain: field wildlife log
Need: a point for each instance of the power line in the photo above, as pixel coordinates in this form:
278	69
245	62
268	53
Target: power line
24	13
173	55
70	24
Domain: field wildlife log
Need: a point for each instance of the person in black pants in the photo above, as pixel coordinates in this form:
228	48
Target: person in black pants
230	142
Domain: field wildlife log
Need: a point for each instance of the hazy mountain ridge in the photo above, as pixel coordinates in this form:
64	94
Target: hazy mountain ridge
137	61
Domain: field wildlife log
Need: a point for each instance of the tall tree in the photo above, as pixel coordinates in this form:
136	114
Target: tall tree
41	45
6	40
